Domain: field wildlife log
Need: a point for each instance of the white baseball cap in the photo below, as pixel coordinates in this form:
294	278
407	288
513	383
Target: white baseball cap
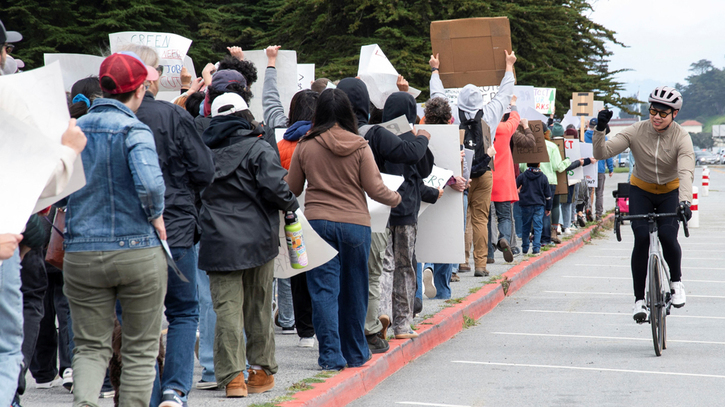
228	103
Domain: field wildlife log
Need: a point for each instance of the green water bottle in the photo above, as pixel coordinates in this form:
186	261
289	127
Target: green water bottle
295	241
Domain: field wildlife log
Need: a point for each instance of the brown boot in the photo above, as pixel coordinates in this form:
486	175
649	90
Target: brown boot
385	320
259	381
554	235
237	387
464	267
480	272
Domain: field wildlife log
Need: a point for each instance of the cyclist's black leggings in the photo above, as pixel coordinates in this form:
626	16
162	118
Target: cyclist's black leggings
642	202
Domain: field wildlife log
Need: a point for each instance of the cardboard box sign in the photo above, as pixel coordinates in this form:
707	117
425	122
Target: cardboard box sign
471	50
538	154
562	184
582	103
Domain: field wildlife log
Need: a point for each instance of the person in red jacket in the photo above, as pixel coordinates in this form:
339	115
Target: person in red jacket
504	191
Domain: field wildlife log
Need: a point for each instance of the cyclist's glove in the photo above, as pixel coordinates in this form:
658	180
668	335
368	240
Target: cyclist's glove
603	119
684	208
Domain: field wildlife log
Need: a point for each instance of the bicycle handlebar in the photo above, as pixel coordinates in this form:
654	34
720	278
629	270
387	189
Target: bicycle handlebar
618	218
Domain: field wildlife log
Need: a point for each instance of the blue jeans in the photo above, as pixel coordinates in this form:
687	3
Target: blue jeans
284	303
517	219
441	278
504	223
182	313
532	216
11	329
546	228
207	325
339	293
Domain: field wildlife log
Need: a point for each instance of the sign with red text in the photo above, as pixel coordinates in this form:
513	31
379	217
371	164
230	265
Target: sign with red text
171	48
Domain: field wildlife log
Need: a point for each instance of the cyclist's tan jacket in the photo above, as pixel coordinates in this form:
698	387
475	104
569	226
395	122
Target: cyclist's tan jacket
660	158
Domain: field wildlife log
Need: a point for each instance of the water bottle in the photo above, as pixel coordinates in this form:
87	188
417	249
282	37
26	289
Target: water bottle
295	241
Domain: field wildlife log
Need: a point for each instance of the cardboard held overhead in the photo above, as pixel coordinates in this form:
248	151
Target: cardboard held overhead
471	50
538	153
582	103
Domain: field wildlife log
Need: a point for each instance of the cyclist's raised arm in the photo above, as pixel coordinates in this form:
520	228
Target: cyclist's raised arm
685	168
609	148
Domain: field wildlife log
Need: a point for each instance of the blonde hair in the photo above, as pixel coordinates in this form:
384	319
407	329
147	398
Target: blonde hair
148	55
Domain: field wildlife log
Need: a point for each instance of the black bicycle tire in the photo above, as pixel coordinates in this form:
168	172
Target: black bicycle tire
654	294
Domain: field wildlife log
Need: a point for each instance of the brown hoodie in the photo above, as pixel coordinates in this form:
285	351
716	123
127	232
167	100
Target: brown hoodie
339	168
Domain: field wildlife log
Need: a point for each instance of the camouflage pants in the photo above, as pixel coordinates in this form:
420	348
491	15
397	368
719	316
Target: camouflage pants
400	260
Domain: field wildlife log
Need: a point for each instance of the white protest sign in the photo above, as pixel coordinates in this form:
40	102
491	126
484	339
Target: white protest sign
398	126
438	178
467	163
286	67
545	100
380	213
75	67
34	116
573	153
379	75
171	48
170	95
440	227
488	92
279	134
569	118
590	171
318	250
524	97
531	114
305	76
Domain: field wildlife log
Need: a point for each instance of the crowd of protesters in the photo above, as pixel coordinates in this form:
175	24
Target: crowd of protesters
207	177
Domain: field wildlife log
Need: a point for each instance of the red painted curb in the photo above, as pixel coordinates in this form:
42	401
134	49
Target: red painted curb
353	383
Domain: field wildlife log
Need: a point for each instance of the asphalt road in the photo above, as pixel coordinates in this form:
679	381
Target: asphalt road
568	338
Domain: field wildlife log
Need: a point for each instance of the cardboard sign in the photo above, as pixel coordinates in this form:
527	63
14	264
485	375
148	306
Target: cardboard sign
471	50
172	49
488	93
440	227
582	103
74	67
590	171
562	186
545	100
379	75
571	148
305	76
537	154
287	76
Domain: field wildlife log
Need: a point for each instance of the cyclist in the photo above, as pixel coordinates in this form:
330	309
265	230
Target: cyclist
661	183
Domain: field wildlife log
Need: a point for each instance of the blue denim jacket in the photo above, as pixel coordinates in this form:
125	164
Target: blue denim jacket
124	187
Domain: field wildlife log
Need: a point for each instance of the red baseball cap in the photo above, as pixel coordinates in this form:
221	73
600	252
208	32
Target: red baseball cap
127	71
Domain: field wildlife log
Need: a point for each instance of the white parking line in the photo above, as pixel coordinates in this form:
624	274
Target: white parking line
608	338
629	266
595	369
630	278
610	249
684	258
599	293
415	403
623	314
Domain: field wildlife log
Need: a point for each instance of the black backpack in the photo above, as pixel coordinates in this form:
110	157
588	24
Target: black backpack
473	140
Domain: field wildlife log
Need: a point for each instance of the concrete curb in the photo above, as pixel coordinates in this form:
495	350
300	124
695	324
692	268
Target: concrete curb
353	383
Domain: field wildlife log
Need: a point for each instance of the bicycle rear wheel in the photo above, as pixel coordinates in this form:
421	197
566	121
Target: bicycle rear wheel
657	311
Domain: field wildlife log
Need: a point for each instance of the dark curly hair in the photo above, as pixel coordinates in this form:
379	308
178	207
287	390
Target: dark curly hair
237	88
245	68
437	111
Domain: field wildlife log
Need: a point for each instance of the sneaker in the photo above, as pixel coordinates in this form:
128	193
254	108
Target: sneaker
429	289
47	385
504	246
463	268
490	260
580	221
289	330
480	272
170	398
455	278
590	218
407	335
417	306
678	294
107	391
515	250
259	381
68	379
204	385
385	321
307	342
640	312
536	253
377	344
237	387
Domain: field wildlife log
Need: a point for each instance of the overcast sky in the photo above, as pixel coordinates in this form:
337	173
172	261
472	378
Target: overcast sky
664	37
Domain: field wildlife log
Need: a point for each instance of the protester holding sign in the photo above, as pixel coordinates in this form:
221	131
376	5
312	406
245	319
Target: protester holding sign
339	169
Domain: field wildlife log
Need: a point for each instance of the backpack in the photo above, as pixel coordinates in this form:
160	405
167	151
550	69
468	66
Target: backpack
477	137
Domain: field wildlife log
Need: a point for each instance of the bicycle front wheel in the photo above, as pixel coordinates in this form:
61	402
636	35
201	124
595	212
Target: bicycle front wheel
657	310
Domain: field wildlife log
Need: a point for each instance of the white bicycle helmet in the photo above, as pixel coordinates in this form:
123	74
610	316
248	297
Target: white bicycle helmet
667	96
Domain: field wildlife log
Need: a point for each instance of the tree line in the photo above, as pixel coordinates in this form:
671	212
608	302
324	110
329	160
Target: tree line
557	45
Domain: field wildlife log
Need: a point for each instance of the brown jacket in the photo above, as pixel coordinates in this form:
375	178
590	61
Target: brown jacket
339	169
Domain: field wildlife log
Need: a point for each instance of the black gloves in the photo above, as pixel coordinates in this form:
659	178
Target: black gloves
684	209
603	119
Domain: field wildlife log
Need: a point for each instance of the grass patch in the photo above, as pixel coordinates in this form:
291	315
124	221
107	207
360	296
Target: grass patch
468	322
505	284
299	386
270	404
455	300
474	290
428	316
414	327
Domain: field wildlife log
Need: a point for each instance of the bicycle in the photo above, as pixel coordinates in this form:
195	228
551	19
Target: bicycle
657	292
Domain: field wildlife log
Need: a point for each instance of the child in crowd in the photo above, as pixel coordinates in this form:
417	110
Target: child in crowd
536	201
